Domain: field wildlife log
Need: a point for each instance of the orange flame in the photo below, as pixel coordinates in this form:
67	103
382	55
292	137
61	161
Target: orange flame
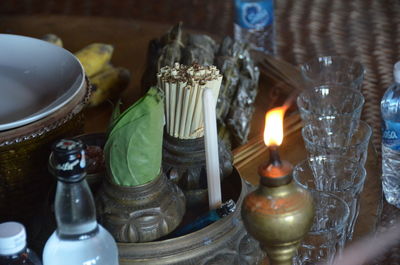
273	132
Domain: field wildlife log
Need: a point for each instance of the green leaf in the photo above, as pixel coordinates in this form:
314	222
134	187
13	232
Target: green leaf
133	150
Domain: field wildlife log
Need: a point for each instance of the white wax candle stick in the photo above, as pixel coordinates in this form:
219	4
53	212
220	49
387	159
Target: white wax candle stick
211	147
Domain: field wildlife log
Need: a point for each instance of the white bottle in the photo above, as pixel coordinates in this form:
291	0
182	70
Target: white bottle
13	247
79	239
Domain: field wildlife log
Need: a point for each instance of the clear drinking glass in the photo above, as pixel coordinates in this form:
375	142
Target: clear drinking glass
333	70
337	136
340	175
327	235
330	100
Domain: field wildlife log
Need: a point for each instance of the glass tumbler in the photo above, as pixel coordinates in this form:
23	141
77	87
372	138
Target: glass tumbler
339	175
333	70
337	136
326	237
330	100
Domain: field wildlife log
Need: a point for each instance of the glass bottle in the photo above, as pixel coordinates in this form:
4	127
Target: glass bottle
13	247
78	239
390	111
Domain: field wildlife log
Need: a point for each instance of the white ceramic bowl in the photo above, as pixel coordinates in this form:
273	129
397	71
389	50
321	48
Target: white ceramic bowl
36	79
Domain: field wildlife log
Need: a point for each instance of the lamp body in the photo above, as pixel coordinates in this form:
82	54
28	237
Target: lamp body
278	217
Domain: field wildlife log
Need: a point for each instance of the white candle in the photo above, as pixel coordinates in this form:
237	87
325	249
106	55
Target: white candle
211	146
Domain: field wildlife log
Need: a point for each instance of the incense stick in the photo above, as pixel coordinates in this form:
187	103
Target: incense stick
197	114
256	146
248	150
192	104
289	121
178	109
184	111
280	70
259	151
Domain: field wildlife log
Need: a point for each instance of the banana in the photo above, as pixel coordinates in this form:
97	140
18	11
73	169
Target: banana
108	83
52	38
94	57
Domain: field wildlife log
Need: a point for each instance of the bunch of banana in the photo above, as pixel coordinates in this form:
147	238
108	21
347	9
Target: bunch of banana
95	57
106	79
108	82
53	39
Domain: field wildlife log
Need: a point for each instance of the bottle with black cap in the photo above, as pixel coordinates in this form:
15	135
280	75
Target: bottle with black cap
13	248
78	239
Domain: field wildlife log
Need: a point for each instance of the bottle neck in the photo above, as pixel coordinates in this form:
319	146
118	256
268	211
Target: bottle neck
75	210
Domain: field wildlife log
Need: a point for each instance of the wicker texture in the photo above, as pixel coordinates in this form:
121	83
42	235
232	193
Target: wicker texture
203	15
367	30
24	152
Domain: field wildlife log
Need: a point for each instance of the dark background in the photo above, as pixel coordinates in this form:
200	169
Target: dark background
214	16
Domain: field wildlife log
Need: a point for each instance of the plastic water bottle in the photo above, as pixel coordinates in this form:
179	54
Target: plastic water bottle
79	239
13	248
390	110
254	24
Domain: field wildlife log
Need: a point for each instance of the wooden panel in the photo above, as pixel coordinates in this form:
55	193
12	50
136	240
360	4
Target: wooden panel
210	15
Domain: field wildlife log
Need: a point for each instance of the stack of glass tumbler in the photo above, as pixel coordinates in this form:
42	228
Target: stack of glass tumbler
336	141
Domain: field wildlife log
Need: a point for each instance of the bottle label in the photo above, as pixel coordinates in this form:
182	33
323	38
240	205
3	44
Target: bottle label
254	15
391	134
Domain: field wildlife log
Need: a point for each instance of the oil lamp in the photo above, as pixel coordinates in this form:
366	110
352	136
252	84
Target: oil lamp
279	213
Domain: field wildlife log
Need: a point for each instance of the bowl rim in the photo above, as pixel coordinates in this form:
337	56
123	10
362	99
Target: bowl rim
62	99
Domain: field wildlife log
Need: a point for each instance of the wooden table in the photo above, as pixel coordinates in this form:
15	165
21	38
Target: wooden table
130	39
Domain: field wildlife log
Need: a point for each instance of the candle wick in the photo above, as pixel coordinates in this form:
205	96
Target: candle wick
274	158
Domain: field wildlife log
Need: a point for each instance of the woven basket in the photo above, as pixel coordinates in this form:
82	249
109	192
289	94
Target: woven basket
24	151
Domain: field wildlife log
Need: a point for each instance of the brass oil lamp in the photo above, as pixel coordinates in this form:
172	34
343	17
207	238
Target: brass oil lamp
279	213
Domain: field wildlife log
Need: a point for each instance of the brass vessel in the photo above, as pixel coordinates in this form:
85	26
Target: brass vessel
279	213
140	213
224	242
184	163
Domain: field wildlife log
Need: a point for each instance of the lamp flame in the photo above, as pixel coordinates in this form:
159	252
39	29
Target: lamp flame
273	132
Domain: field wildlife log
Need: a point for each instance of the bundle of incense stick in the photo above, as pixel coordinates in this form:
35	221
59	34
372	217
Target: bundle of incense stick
183	89
280	71
255	147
